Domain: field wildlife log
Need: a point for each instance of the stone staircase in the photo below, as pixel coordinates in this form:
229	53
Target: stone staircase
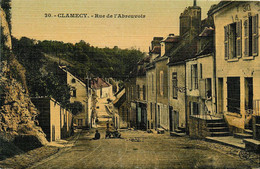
180	131
245	135
217	128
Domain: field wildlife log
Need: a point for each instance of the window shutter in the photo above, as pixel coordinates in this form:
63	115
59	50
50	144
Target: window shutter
246	33
202	88
226	41
255	34
165	85
239	38
201	71
190	78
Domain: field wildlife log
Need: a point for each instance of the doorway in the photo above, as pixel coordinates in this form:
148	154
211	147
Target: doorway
171	118
176	119
220	95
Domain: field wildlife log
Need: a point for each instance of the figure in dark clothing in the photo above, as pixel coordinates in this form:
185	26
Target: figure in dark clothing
107	125
97	135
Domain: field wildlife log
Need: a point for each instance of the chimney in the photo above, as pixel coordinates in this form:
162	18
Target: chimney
194	3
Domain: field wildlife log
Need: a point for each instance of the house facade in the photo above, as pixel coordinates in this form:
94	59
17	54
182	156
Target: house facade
80	92
55	121
151	96
154	52
237	62
176	95
102	87
162	92
141	89
121	117
130	87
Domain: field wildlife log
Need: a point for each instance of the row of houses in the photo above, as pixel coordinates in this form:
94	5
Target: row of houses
204	81
57	121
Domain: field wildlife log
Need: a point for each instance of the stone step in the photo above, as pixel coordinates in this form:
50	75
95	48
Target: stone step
243	135
219	134
218	129
247	131
183	129
252	144
216	125
178	131
215	121
177	134
160	131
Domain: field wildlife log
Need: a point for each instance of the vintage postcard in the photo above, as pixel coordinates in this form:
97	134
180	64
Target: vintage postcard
129	84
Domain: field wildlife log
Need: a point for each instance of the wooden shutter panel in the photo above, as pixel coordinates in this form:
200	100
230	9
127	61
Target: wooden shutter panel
226	41
202	88
255	35
239	38
189	77
165	84
246	33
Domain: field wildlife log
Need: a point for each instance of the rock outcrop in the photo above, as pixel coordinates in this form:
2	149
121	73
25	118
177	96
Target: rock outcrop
18	122
17	112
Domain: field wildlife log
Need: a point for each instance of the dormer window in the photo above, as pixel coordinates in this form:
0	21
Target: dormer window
73	80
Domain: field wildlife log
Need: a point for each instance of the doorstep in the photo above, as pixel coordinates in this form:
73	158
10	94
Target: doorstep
228	140
172	133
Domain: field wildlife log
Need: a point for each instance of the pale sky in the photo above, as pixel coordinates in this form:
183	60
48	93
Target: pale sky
161	19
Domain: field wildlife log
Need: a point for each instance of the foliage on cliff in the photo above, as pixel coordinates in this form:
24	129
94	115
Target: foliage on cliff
42	78
86	59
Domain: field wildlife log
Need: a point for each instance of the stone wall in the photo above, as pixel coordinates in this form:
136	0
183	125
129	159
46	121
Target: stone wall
198	128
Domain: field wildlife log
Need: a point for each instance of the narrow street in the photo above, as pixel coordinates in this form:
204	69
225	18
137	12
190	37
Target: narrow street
102	113
139	149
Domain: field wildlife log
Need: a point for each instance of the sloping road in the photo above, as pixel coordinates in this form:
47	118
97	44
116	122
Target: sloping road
138	149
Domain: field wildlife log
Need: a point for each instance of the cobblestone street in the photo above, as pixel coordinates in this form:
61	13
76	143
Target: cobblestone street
138	149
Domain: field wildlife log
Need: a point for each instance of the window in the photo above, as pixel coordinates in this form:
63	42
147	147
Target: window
208	88
80	122
249	93
138	91
127	115
233	94
123	113
128	93
232	40
144	94
251	36
73	92
194	108
194	76
73	80
152	83
174	85
161	82
132	93
201	71
151	110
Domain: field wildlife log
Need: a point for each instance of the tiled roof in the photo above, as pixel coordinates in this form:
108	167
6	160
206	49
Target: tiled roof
217	7
97	83
119	101
207	32
185	50
171	39
156	50
146	59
